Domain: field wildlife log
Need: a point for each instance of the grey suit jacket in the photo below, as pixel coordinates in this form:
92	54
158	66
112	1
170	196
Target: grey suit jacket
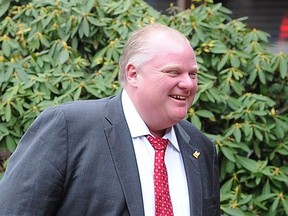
78	159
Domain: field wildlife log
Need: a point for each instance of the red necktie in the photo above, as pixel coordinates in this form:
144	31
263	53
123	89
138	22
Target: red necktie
163	204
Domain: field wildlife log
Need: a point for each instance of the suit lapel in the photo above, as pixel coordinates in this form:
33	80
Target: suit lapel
192	169
122	151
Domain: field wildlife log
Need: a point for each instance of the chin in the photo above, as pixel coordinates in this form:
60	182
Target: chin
180	114
178	118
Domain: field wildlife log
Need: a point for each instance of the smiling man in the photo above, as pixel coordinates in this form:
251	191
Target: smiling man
162	87
131	154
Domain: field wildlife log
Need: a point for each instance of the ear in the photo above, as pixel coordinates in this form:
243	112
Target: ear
132	75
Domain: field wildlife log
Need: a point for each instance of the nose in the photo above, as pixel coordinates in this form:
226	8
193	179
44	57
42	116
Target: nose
187	82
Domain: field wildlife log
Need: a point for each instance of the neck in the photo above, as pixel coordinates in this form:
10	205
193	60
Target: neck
158	133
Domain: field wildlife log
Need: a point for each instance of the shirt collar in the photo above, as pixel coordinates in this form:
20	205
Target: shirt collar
136	124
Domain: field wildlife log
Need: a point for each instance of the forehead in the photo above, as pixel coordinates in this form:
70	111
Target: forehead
171	49
160	42
157	38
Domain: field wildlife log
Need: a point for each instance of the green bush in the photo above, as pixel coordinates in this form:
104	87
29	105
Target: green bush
58	51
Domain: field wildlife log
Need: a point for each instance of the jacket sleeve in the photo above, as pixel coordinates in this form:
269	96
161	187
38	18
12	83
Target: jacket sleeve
33	181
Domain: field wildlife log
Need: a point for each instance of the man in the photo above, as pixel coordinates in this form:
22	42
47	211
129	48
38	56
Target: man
94	157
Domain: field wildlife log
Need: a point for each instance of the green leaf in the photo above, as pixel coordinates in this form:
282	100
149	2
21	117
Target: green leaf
252	77
4	6
44	41
98	57
284	203
64	56
110	53
23	75
237	87
258	134
260	113
6	48
196	121
51	88
233	212
227	186
219	48
84	27
3	129
89	5
77	94
264	197
223	62
95	21
229	154
283	67
245	200
10	143
234	60
46	21
262	77
247	129
125	6
8	112
237	134
92	90
200	33
205	114
247	163
275	205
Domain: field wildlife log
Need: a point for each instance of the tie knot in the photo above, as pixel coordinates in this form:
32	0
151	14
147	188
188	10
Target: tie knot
158	143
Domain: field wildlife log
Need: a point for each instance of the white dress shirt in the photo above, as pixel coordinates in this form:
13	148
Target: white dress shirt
145	161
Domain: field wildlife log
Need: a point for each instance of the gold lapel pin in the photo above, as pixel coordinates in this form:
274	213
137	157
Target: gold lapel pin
196	154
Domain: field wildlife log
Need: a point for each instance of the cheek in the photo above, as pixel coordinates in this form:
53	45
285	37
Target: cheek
195	86
196	82
159	86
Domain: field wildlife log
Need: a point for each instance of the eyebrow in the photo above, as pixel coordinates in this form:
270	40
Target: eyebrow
167	67
171	66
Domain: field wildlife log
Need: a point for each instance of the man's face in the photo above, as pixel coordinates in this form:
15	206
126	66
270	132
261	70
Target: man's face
166	84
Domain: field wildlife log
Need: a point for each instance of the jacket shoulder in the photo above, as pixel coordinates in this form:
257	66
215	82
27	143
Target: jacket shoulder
194	133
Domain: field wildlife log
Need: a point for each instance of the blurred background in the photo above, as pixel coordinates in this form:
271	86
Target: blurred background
270	16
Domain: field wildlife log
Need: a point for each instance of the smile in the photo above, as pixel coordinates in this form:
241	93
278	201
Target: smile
178	97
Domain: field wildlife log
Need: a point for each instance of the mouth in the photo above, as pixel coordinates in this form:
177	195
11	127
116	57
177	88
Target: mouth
178	97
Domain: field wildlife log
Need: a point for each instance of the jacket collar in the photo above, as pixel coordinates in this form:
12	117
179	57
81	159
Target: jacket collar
122	151
192	169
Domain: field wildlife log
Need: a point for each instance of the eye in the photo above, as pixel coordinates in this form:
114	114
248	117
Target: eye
172	73
193	75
